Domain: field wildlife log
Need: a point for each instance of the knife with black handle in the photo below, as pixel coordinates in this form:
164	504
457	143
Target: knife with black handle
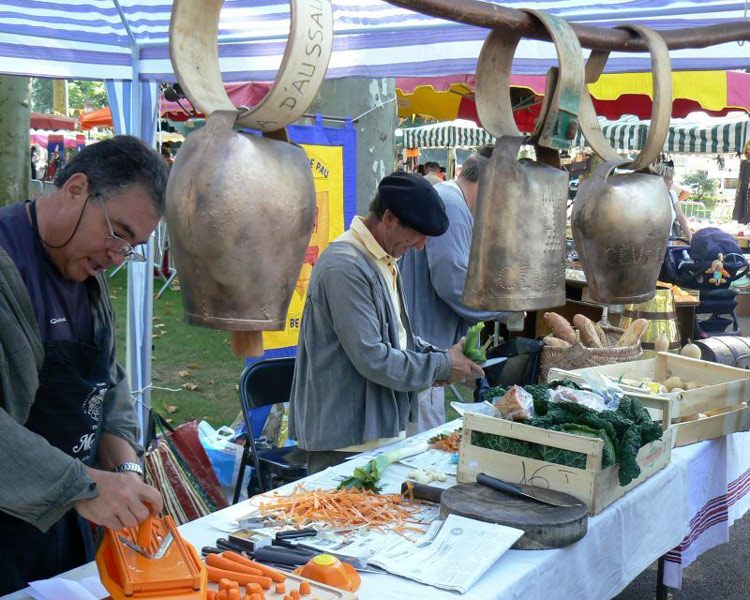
517	490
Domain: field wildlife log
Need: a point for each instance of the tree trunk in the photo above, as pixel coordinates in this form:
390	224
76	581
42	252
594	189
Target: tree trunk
15	116
352	97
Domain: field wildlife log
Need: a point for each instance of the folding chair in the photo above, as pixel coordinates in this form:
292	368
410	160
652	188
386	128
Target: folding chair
263	384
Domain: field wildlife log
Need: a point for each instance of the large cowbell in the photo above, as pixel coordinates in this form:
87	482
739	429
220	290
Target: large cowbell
517	257
621	222
620	226
240	210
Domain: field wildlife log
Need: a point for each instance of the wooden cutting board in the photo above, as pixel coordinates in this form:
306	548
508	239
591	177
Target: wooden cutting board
544	526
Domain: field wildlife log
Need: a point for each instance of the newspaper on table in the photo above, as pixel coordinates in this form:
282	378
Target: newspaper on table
461	552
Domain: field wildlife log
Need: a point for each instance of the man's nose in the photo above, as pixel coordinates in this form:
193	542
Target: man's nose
115	258
421	242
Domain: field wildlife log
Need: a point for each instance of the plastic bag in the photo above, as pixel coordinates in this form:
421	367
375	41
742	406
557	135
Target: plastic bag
515	405
224	454
605	395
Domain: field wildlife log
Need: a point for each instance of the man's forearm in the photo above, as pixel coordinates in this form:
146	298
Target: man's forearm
114	451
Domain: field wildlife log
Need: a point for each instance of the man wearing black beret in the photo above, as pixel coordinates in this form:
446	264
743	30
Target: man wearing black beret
359	365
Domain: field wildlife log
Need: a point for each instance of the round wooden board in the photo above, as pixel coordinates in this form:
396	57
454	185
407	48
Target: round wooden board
545	526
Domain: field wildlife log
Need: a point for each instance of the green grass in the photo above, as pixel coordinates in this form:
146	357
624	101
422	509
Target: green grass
205	354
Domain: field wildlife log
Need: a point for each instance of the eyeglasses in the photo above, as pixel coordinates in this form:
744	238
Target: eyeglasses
118	245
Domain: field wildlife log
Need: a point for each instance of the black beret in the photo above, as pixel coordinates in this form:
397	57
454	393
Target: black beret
416	203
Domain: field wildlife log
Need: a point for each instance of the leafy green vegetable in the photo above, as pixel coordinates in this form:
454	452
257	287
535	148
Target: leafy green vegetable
624	431
367	477
472	349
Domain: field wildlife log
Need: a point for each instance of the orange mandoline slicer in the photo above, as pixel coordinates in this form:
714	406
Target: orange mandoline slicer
151	561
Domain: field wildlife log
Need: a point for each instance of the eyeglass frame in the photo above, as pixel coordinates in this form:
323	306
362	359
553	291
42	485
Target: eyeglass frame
127	249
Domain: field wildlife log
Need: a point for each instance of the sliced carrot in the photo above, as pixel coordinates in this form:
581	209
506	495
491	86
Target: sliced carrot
222	595
304	588
277	576
224	583
254	597
280	588
218	561
294	594
234	594
215	574
210	594
254	588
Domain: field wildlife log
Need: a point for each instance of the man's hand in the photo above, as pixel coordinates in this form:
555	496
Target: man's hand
123	500
461	367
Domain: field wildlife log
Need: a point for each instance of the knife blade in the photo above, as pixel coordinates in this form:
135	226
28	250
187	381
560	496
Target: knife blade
516	490
493	361
135	547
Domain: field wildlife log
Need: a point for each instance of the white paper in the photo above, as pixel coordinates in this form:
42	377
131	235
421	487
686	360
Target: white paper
57	588
462	551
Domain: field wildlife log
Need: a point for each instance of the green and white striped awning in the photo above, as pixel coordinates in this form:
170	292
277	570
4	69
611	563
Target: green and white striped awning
723	136
450	134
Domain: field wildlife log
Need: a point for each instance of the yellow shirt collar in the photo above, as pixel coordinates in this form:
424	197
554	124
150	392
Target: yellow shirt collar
365	237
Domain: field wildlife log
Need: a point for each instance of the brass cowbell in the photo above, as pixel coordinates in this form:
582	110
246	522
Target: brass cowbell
517	257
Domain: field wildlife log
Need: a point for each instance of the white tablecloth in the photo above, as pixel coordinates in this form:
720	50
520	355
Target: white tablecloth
649	521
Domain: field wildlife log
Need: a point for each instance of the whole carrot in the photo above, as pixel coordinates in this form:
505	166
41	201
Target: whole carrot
215	560
215	574
277	576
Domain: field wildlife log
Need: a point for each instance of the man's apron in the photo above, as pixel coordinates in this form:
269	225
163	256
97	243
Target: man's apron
66	412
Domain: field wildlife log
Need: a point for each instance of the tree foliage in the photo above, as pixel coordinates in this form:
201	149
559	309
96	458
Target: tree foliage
703	188
80	92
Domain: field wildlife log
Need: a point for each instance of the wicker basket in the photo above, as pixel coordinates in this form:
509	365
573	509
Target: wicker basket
579	356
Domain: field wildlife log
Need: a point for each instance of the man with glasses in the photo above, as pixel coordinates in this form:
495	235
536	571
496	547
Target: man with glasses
68	428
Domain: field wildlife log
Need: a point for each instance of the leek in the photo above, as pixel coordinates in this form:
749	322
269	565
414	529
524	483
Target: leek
367	477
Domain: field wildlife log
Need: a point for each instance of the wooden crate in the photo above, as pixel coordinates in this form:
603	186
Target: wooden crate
595	486
727	388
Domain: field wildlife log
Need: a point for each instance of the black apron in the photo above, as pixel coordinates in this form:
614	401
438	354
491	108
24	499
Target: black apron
66	412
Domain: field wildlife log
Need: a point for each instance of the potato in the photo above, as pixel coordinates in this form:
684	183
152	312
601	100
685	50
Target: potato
674	382
676	389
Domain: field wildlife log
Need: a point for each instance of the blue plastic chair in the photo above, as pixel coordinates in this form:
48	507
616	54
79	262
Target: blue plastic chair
263	384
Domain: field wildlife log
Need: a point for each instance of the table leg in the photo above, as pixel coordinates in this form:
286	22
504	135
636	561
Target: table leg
663	592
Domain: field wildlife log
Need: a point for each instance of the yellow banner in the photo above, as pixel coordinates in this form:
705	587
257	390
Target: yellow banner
327	166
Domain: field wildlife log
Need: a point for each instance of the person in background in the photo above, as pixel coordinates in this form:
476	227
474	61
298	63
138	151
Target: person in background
166	153
680	227
68	425
420	169
358	363
431	172
434	280
442	173
33	162
741	211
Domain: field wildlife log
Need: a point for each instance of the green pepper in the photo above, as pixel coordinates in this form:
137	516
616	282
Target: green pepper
472	349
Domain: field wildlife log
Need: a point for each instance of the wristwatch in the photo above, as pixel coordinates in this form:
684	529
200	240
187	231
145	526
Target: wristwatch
129	466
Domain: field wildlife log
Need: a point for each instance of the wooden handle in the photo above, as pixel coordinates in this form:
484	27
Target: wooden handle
247	343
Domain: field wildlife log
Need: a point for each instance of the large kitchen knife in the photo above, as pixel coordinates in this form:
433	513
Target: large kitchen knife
534	493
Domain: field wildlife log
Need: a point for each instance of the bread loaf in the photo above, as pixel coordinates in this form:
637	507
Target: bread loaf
589	335
560	327
554	342
602	335
633	333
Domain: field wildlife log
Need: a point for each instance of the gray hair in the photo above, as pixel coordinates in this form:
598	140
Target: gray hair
472	167
113	165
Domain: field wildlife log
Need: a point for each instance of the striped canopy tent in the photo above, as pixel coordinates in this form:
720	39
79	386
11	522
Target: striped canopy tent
715	136
614	94
451	134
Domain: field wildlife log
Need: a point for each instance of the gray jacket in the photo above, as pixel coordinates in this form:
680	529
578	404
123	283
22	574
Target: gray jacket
352	383
38	482
434	278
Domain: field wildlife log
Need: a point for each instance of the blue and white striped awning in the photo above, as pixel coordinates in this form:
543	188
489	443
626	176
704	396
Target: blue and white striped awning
93	39
449	134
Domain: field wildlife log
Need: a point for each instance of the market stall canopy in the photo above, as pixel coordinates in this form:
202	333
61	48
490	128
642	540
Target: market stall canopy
713	92
452	134
44	121
103	40
710	136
